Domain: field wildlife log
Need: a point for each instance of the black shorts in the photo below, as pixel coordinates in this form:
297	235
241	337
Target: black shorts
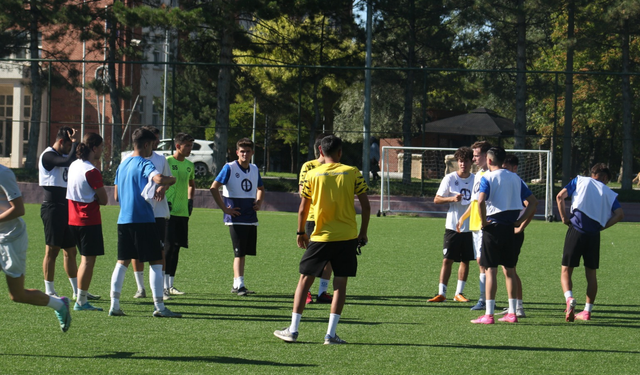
244	238
89	239
341	254
55	217
177	232
497	246
139	241
518	240
161	228
458	246
309	227
577	245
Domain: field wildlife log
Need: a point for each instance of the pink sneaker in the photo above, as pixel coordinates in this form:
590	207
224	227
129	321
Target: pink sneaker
585	315
509	318
309	298
571	308
484	319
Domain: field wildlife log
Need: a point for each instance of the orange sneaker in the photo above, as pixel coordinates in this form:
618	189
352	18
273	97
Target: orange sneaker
438	298
461	298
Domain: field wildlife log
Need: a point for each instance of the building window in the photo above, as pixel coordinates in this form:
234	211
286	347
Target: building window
26	117
155	114
157	57
6	123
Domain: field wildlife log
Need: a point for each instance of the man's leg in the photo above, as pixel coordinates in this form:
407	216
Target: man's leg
19	294
445	274
290	334
567	288
491	289
71	267
592	290
238	272
512	287
49	267
117	280
85	273
138	272
463	274
324	283
339	297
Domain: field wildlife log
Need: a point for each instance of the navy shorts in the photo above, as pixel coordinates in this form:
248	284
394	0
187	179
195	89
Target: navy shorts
89	239
55	217
497	246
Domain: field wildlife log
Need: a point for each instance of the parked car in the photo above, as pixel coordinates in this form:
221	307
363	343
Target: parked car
201	154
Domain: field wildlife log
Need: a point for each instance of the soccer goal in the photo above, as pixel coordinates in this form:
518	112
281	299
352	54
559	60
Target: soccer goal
430	164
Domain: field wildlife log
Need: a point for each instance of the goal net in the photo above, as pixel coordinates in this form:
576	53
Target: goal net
429	165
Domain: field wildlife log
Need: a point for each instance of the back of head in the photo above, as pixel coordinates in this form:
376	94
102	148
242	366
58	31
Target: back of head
484	146
90	141
512	160
601	171
497	154
463	153
182	138
318	143
63	133
244	142
152	129
141	136
331	145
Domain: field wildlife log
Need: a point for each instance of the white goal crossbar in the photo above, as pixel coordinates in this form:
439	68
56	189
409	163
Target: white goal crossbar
544	172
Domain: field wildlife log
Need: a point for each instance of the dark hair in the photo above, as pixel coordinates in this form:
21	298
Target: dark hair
90	141
141	136
331	145
318	143
244	142
152	129
498	154
511	159
63	133
484	146
464	153
601	168
182	138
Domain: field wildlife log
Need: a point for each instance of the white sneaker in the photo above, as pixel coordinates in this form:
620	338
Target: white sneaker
165	295
175	291
520	313
141	293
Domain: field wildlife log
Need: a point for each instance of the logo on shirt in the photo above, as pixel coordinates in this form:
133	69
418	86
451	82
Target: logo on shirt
237	175
466	194
65	174
246	185
188	169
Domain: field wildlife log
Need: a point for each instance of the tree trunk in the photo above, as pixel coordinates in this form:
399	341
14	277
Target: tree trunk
627	140
568	105
224	93
114	96
407	117
36	93
520	130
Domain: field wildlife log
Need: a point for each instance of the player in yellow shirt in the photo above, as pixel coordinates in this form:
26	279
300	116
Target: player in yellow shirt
329	188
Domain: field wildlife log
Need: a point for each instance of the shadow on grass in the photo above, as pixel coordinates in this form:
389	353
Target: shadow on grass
503	347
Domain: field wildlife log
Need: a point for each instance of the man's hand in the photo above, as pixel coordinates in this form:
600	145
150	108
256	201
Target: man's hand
459	225
256	205
303	241
159	194
232	211
72	135
457	198
190	206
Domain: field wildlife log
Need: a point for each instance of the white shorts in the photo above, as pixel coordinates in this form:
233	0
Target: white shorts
477	243
13	256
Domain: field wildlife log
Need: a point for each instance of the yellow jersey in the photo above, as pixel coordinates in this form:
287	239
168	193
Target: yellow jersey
475	221
306	167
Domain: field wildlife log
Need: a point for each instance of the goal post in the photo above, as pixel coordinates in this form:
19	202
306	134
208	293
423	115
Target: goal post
430	164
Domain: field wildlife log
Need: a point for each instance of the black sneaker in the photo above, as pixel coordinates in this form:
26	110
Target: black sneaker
234	291
242	291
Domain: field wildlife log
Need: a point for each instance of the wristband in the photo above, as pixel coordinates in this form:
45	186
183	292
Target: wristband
300	233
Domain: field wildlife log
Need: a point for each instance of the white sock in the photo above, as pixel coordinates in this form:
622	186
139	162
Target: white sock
55	303
236	282
512	306
483	280
460	287
240	282
442	290
155	282
139	279
588	307
568	294
295	322
519	304
74	285
171	281
333	323
117	279
82	297
324	286
491	306
165	277
48	286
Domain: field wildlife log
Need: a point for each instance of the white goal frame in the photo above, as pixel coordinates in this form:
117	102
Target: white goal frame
385	201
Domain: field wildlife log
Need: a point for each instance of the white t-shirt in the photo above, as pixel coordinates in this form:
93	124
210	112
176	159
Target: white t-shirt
452	185
12	229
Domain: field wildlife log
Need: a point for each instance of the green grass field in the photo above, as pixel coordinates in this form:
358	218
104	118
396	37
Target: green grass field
388	323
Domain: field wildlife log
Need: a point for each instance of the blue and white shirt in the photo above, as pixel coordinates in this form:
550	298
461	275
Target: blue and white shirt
505	191
240	189
592	204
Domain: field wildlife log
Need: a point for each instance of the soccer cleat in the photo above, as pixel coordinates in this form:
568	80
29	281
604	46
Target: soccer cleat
141	293
509	318
286	335
234	290
324	298
484	319
117	312
175	292
520	312
309	298
93	297
242	291
584	315
166	313
86	307
335	340
165	295
481	305
437	298
571	309
64	315
504	311
461	298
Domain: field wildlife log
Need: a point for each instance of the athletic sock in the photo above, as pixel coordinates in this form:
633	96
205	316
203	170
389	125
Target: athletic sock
48	287
82	297
55	303
588	307
74	285
236	283
460	287
155	282
117	279
240	282
513	303
491	306
483	280
324	286
165	277
519	304
333	323
568	294
139	279
171	281
442	290
295	322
